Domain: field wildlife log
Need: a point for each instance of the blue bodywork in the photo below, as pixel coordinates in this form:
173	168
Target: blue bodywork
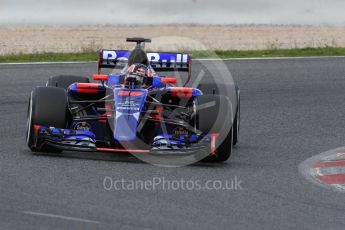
128	106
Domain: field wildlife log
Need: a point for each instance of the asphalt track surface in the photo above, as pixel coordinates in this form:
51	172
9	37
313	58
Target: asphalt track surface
291	110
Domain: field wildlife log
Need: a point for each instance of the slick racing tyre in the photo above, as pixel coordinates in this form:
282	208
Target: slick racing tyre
47	107
237	119
64	81
214	117
229	90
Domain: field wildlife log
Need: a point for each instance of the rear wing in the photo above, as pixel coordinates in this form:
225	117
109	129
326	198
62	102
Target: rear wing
159	61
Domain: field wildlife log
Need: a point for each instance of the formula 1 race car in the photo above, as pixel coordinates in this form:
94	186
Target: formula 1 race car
134	109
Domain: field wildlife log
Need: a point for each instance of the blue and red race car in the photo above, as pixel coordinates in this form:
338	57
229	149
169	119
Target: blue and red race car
134	109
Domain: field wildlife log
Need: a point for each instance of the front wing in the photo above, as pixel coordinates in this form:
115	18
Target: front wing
79	140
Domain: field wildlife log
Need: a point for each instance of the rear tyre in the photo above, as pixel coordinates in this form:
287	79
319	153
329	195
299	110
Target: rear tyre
64	81
47	107
214	116
236	126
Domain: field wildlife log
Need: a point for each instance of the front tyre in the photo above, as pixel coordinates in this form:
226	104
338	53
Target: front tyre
30	132
237	120
215	117
47	107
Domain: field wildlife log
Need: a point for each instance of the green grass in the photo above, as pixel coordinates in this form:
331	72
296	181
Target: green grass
92	56
49	57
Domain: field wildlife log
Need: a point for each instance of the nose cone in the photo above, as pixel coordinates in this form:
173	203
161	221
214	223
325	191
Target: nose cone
128	107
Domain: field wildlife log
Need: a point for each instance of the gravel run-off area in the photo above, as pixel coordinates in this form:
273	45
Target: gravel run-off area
38	39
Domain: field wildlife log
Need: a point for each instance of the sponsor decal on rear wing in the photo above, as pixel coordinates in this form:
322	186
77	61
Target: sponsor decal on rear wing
159	61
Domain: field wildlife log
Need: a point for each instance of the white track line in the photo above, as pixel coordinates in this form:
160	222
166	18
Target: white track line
61	217
198	59
48	63
267	58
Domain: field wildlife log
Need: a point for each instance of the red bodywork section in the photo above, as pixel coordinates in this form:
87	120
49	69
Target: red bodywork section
129	93
214	138
92	88
100	77
181	92
123	150
168	80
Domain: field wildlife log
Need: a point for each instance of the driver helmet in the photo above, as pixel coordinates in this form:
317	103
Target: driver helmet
138	75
